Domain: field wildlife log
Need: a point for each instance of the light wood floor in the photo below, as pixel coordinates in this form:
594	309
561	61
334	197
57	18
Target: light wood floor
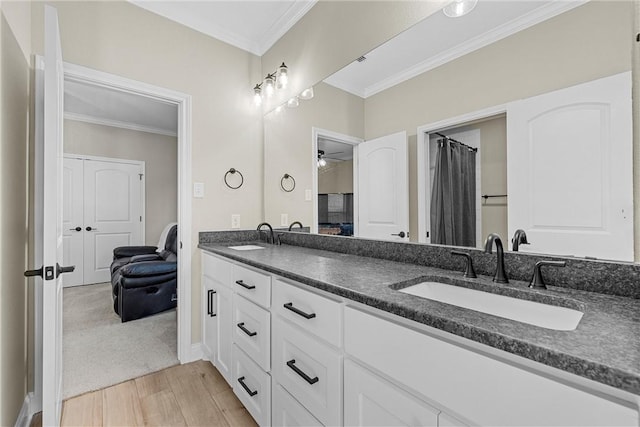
194	394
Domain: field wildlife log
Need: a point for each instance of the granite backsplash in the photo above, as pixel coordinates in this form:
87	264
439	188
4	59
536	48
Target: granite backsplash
607	277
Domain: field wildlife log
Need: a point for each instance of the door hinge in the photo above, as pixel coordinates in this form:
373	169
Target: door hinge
140	175
140	218
427	234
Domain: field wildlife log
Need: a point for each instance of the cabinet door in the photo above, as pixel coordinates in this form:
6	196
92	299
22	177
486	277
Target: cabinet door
372	401
288	412
224	349
210	318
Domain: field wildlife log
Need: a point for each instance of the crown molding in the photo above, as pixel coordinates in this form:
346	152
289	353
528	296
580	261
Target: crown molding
523	22
296	11
118	124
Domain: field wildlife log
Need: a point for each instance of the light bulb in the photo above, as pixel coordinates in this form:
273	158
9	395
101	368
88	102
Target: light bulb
279	109
283	76
307	94
269	85
322	162
257	96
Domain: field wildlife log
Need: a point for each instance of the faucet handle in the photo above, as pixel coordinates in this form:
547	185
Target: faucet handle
468	271
536	280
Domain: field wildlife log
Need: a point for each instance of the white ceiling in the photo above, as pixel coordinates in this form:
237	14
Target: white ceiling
250	25
439	39
334	150
110	107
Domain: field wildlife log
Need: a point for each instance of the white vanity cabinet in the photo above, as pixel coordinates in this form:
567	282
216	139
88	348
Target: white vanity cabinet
295	355
480	388
217	318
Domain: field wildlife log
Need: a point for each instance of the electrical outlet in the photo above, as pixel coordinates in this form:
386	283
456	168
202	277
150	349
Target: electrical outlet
235	221
307	195
198	190
284	219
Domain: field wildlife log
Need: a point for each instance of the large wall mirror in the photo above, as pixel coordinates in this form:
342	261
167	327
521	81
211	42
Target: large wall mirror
533	98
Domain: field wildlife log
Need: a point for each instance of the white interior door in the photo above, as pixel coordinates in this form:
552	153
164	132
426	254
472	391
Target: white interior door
383	188
569	170
112	214
50	205
72	219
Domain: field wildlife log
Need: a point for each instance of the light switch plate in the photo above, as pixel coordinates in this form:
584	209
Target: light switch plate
307	195
198	190
235	221
284	219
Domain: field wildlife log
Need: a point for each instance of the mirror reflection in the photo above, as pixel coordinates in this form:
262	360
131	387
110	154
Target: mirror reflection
508	79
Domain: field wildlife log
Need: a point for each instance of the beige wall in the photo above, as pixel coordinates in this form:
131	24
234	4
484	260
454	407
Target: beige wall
159	152
336	177
120	38
289	149
15	47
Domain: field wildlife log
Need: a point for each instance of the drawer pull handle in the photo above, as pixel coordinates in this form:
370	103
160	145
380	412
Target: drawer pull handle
244	285
210	303
246	388
245	330
292	364
289	306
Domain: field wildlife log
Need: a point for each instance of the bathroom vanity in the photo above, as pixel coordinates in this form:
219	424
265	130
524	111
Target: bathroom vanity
311	332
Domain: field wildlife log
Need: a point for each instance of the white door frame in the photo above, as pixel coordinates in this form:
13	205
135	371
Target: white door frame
186	351
424	192
345	139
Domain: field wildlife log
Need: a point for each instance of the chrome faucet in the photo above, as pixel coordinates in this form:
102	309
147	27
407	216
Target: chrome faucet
295	223
270	231
519	238
501	276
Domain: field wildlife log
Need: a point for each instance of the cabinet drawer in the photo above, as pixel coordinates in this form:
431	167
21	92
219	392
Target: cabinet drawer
313	313
252	331
253	285
309	370
252	386
216	268
373	401
288	412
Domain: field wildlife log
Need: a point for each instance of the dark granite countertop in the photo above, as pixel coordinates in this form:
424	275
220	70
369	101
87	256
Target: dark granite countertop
605	347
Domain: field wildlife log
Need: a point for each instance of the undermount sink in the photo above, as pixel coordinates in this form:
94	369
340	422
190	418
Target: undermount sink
531	312
245	247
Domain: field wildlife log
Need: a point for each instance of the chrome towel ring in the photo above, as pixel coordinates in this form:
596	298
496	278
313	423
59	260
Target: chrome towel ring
287	177
233	171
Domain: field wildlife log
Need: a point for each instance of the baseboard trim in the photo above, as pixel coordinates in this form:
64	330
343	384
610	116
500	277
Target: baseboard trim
196	353
26	412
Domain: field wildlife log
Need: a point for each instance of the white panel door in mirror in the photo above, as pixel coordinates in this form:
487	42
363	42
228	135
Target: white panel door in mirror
569	165
383	188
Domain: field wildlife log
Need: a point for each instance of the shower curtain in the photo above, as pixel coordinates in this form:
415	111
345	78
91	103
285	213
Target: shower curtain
453	195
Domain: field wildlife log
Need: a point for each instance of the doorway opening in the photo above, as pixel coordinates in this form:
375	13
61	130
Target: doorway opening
335	183
483	209
180	104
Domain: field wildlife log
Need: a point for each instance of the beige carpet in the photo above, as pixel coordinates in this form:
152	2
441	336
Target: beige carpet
99	350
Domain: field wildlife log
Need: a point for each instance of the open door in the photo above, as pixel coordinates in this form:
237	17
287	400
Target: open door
48	206
383	188
569	170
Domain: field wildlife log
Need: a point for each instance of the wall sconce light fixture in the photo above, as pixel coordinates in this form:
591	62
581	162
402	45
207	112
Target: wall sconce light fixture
276	80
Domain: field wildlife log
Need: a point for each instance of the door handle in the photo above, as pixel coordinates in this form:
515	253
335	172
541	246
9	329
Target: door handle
45	272
32	273
62	270
400	234
76	229
89	229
